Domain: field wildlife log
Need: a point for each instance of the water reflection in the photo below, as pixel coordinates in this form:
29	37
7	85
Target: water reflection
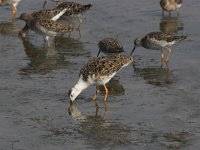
8	28
171	25
114	87
69	46
155	75
42	60
99	130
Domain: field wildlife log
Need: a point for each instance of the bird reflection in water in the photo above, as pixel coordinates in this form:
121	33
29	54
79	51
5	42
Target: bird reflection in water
42	60
154	75
8	28
99	129
171	25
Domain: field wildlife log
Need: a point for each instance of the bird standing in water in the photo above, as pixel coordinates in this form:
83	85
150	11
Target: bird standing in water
110	45
170	5
159	41
14	4
99	71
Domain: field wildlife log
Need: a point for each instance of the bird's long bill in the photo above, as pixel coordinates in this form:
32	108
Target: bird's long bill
133	50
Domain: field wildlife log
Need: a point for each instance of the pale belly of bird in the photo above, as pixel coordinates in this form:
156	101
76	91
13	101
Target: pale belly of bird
101	79
156	44
43	31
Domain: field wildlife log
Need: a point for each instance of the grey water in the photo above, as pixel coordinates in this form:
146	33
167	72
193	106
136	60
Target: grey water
149	107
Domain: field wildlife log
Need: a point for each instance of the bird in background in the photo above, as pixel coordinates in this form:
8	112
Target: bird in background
170	5
110	46
74	9
46	27
159	41
99	71
48	14
14	4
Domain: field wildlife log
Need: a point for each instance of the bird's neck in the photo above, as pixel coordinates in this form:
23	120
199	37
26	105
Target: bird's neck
81	84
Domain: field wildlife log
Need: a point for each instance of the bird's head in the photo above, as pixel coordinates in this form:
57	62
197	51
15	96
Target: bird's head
137	42
25	17
73	93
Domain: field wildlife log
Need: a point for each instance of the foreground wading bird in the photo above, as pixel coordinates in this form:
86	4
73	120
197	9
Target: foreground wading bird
158	41
170	5
99	71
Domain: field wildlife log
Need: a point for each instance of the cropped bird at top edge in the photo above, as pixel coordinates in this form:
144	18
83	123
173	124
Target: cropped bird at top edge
56	1
14	4
99	71
158	41
45	27
110	45
170	5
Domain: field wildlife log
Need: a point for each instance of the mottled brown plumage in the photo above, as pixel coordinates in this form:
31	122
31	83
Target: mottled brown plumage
45	27
104	66
74	8
110	45
99	71
161	36
46	13
158	41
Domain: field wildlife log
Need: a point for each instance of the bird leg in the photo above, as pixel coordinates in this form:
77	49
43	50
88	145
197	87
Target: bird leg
97	92
169	51
106	93
177	13
80	20
162	12
14	12
162	57
105	106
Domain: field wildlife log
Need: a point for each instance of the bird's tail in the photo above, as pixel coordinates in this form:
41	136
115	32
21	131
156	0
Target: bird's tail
179	1
86	7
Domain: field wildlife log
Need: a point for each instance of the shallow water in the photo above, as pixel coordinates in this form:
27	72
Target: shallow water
148	107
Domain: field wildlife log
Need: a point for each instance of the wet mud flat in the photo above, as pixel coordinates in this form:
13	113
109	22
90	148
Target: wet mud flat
149	107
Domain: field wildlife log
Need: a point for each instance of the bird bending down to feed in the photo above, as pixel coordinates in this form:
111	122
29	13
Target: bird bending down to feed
14	4
51	14
45	27
110	45
159	41
99	71
170	5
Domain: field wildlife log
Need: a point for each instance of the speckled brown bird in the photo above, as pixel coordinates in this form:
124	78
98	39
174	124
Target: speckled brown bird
99	71
45	27
170	5
158	41
110	45
74	9
52	14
